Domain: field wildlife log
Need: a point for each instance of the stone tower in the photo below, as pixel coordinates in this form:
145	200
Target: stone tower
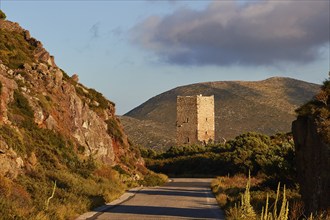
195	119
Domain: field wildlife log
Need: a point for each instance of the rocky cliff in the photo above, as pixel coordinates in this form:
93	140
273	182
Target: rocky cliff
58	102
311	133
53	128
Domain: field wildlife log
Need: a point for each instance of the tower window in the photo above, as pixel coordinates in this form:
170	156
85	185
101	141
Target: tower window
187	120
187	140
205	119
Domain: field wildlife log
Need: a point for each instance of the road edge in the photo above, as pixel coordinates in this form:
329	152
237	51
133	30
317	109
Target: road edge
123	198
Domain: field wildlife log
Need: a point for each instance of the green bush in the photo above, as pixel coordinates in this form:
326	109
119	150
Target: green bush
269	156
319	110
21	105
2	15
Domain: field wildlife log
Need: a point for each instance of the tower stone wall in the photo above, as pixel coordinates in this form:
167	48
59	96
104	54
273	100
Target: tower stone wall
195	119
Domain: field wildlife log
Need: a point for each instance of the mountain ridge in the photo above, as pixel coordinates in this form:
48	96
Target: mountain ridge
275	98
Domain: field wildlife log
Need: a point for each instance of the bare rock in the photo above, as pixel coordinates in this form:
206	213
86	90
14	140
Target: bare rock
27	67
11	165
3	68
43	68
7	96
313	164
39	116
75	77
58	76
51	123
27	35
10	72
32	160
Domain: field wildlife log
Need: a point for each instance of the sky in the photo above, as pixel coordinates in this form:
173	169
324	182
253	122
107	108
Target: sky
132	50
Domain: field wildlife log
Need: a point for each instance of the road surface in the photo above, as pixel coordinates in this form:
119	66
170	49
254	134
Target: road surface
183	198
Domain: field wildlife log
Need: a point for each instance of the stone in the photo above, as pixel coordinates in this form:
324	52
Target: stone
10	164
27	35
95	103
10	72
313	164
58	76
3	67
85	125
27	67
33	159
24	89
39	117
19	162
43	68
51	123
6	96
75	77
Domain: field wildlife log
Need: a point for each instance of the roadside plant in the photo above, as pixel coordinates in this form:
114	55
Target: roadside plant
273	215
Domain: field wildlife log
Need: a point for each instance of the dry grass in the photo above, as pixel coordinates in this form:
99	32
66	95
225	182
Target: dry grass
227	189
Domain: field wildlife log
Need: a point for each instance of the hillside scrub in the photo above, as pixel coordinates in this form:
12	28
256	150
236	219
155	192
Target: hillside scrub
56	159
52	157
14	49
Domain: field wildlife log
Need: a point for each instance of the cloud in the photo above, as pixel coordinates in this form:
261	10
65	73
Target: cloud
225	33
95	30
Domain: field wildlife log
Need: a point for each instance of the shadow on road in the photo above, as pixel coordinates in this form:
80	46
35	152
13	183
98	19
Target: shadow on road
201	193
163	211
177	199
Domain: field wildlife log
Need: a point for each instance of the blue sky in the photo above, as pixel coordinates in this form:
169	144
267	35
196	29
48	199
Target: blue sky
133	50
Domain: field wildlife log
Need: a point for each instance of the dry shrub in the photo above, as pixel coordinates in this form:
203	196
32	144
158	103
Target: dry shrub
5	186
221	199
106	172
297	210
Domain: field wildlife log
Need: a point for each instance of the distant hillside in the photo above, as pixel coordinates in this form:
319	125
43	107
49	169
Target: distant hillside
263	106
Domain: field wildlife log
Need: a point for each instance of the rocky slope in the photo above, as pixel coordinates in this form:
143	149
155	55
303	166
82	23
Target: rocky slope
311	132
264	106
58	102
52	128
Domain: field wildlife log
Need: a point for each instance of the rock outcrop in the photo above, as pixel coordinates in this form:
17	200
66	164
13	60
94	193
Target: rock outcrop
311	132
58	102
313	164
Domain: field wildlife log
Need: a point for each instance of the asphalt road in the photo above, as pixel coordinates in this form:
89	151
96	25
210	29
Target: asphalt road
183	198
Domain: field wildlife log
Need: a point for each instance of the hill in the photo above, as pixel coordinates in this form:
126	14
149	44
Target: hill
266	106
56	132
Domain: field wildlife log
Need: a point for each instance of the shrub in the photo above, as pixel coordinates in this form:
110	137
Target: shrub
21	105
153	179
2	15
269	156
14	49
114	130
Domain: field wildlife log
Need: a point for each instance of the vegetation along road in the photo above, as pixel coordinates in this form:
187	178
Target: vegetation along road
183	198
